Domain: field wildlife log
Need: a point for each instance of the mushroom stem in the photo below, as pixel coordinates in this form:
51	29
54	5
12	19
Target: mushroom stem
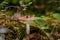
27	29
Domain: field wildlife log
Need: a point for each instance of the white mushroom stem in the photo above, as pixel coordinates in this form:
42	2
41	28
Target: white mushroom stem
27	28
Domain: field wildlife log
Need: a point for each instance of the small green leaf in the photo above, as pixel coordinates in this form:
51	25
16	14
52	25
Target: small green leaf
32	23
45	18
26	1
41	23
15	1
36	18
58	39
57	16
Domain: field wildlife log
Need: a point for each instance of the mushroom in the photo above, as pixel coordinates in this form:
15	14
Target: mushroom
24	19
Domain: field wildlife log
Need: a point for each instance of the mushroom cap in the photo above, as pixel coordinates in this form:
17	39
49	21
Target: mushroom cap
26	18
22	19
